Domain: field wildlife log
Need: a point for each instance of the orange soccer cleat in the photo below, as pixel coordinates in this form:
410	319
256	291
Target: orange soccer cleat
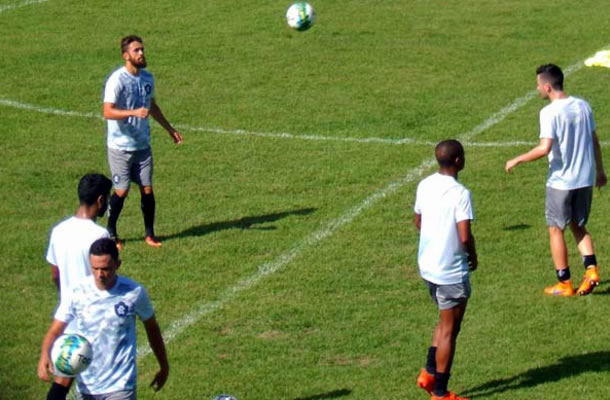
560	289
152	241
589	282
448	396
425	380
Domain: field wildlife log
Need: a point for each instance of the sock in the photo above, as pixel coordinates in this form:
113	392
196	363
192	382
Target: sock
148	210
589	261
563	274
57	392
431	362
441	380
114	210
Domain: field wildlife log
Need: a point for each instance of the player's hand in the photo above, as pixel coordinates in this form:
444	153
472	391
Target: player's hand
44	367
510	164
473	262
160	379
601	179
176	137
142	112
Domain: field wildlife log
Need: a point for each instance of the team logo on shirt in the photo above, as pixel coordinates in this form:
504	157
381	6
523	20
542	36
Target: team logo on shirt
121	309
147	88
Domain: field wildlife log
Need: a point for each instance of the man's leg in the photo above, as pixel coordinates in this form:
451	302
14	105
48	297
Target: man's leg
444	340
559	253
114	210
60	388
120	163
585	247
148	206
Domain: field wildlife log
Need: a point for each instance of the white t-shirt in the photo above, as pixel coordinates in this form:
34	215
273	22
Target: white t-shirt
569	123
107	318
442	202
129	92
69	249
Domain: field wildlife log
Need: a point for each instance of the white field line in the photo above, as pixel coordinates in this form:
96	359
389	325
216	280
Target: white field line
178	326
20	4
241	132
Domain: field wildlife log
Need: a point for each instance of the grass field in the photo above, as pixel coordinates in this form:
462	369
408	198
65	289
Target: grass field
288	269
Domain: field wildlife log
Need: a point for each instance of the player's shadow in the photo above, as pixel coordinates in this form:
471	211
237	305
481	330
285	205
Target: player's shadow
329	395
566	367
602	292
517	227
254	222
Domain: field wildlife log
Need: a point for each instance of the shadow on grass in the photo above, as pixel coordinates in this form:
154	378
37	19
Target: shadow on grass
517	227
330	395
566	367
242	223
602	292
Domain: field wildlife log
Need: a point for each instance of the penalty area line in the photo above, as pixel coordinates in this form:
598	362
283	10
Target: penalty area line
20	4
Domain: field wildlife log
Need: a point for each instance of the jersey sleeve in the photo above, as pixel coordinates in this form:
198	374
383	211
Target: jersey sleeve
547	129
464	210
143	306
112	89
417	206
65	311
51	257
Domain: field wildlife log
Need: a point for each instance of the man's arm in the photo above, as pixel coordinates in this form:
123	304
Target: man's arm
417	221
600	179
467	240
157	114
45	364
55	276
155	340
111	112
543	149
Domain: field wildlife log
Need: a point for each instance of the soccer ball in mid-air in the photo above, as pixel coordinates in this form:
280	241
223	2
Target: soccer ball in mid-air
71	355
300	16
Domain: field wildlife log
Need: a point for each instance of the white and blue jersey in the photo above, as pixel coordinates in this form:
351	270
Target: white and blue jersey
129	92
107	318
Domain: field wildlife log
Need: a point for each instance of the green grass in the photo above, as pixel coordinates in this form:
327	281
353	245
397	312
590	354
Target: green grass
347	317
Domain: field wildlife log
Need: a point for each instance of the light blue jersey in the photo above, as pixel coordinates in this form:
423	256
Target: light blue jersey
107	318
129	92
569	123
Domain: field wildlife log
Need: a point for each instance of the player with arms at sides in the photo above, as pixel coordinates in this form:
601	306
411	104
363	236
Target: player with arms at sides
68	251
569	139
129	99
104	307
446	255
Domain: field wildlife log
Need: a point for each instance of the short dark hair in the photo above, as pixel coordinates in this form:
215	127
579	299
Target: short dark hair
552	74
92	186
104	246
447	151
127	40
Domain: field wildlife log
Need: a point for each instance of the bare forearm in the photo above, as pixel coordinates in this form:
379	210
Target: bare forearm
157	114
599	162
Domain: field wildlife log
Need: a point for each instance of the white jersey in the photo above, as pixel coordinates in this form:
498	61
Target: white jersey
107	318
69	249
442	202
129	92
569	123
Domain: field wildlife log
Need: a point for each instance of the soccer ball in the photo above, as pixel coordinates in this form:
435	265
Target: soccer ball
71	355
300	16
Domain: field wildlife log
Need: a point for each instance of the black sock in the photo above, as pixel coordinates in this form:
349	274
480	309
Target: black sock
114	210
563	274
58	392
589	261
441	380
148	210
431	361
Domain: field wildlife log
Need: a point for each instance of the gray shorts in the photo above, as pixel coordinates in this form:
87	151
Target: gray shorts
127	166
566	206
449	296
122	395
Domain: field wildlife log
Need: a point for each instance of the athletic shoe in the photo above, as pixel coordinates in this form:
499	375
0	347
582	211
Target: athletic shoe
560	289
589	282
152	241
448	396
425	380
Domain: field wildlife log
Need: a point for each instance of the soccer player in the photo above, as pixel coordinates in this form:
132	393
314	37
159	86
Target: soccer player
104	307
129	99
68	251
447	254
568	138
